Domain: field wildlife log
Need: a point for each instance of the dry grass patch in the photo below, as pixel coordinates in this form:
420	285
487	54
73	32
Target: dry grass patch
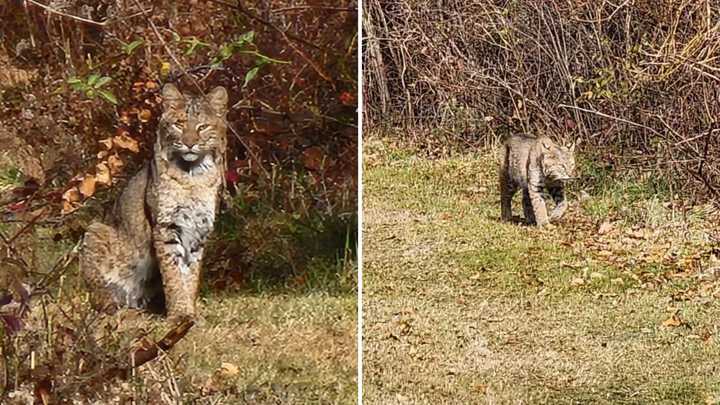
271	347
462	308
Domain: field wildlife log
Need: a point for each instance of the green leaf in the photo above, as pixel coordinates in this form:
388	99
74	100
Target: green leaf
251	75
108	96
78	86
225	52
129	48
73	80
103	81
244	39
90	93
92	79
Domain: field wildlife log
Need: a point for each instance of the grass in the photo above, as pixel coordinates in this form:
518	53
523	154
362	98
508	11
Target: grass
256	342
250	347
462	308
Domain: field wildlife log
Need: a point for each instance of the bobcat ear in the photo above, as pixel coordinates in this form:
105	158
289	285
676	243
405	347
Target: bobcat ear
172	98
218	99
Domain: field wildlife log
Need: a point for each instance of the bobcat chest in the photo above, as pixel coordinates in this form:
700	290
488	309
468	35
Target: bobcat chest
185	204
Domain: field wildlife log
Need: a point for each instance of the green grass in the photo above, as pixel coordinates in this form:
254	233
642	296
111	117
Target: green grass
247	347
262	341
462	308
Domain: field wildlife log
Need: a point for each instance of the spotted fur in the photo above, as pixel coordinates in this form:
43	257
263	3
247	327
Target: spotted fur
149	252
534	165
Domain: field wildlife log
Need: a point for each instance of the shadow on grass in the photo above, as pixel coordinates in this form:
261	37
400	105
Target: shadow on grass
260	250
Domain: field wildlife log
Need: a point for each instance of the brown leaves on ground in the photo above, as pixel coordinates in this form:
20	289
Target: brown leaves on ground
674	321
650	255
121	140
71	200
87	186
221	379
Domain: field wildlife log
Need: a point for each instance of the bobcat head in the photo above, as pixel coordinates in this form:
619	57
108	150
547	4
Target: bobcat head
192	128
558	161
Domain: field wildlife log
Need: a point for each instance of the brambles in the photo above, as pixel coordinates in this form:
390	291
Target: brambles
637	81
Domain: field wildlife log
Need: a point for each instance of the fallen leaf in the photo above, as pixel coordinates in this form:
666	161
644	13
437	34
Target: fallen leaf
87	186
102	174
107	143
605	228
145	115
70	199
123	141
229	369
673	322
115	164
71	195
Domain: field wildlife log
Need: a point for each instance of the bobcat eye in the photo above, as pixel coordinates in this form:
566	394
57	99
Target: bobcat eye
176	127
202	127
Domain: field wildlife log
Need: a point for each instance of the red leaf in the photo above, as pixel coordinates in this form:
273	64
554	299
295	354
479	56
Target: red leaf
232	176
347	98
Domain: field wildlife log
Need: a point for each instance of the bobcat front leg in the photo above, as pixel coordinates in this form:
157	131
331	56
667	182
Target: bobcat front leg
527	208
180	277
537	202
561	204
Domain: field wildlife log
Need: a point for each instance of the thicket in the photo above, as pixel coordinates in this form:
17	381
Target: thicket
638	80
79	103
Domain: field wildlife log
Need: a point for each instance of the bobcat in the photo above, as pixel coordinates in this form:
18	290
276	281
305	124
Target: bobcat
533	165
147	253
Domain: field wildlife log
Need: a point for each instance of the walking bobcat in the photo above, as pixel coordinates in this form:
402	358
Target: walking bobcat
533	165
149	250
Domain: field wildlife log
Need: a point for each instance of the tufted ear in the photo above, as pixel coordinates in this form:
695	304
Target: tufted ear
172	98
218	99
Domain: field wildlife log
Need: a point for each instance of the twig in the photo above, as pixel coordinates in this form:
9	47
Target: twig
146	353
286	35
328	8
74	17
242	9
611	117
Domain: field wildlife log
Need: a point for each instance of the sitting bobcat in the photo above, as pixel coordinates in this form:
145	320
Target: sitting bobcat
150	248
533	165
